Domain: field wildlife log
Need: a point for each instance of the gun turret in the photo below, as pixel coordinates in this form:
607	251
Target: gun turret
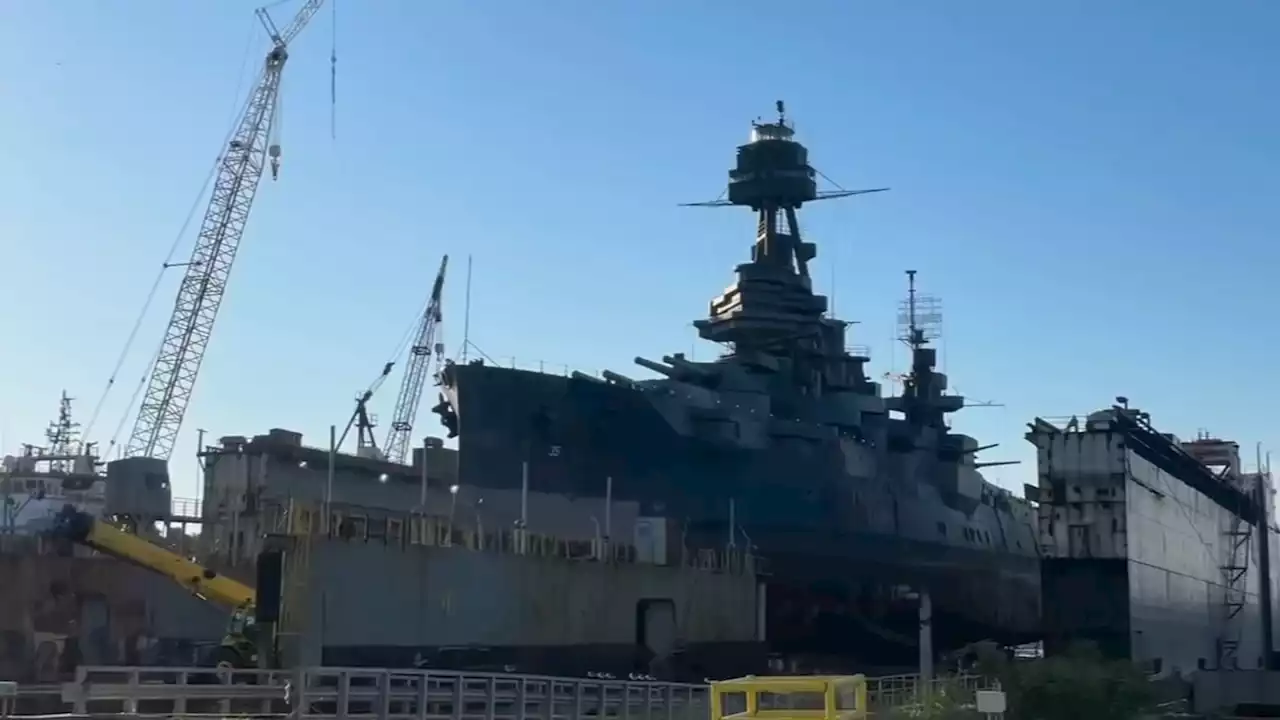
687	368
617	379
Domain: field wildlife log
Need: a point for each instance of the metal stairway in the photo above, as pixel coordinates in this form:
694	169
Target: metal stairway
1235	574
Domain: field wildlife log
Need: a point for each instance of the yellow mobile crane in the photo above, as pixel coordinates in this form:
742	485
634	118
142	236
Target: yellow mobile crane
240	644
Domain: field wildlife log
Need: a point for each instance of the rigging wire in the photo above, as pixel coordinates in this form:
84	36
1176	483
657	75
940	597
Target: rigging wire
333	72
410	334
823	175
401	349
133	400
168	260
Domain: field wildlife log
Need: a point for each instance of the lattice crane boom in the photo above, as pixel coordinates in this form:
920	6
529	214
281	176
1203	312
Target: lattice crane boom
282	38
415	373
173	376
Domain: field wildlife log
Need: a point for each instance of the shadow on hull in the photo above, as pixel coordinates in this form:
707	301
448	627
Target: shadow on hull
832	592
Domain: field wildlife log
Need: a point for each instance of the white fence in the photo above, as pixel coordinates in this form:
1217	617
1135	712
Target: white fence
381	694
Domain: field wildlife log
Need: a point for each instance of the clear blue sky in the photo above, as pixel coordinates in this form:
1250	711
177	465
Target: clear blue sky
1090	186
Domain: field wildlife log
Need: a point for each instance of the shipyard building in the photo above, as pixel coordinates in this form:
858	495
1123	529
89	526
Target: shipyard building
1156	549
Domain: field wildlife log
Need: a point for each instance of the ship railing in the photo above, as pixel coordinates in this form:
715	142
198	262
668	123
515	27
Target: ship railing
403	530
374	693
539	366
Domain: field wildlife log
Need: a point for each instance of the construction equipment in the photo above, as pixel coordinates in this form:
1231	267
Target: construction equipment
252	145
362	421
241	642
424	347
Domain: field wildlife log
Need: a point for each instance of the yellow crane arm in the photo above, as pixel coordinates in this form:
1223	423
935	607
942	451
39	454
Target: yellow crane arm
83	528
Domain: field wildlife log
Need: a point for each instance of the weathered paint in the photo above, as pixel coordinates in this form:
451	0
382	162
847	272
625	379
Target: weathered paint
57	612
1135	556
394	604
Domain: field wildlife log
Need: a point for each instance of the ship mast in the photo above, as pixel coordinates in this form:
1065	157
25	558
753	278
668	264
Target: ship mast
62	435
772	309
924	398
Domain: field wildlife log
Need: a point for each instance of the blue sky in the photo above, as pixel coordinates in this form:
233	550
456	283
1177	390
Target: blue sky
1090	186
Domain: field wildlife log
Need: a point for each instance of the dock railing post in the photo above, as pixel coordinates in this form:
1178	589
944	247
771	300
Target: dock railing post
328	485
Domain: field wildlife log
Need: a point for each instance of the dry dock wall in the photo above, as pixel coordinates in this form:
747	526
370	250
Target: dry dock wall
59	612
1134	557
392	604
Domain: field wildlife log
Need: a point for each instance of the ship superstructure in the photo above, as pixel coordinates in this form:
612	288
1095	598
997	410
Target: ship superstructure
782	444
1157	549
36	483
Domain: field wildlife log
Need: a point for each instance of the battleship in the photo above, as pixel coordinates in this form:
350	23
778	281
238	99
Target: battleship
861	505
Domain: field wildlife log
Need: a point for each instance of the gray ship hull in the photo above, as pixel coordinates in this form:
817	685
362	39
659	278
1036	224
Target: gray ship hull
838	548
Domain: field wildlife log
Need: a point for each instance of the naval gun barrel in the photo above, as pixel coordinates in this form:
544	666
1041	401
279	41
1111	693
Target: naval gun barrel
617	379
676	368
684	366
579	375
658	367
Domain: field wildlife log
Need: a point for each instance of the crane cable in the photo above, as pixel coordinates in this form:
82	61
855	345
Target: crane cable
333	72
168	263
402	347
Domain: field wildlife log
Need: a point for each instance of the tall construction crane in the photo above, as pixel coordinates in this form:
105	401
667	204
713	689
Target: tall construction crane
415	373
168	389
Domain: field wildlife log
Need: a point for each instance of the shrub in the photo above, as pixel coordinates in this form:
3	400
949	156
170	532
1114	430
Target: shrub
1080	683
948	701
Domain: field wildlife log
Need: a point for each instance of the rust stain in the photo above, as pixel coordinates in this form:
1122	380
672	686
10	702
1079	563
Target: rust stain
57	612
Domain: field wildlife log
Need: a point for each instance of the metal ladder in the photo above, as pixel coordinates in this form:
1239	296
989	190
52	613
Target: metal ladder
1235	572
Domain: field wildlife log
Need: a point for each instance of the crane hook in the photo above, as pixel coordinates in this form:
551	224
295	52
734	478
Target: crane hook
274	152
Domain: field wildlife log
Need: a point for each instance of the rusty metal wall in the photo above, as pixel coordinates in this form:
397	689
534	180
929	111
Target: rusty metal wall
59	612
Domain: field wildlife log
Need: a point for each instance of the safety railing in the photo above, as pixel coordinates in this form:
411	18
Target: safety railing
852	697
188	508
908	695
381	694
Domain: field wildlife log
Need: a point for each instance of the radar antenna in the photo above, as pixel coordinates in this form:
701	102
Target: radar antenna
919	317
